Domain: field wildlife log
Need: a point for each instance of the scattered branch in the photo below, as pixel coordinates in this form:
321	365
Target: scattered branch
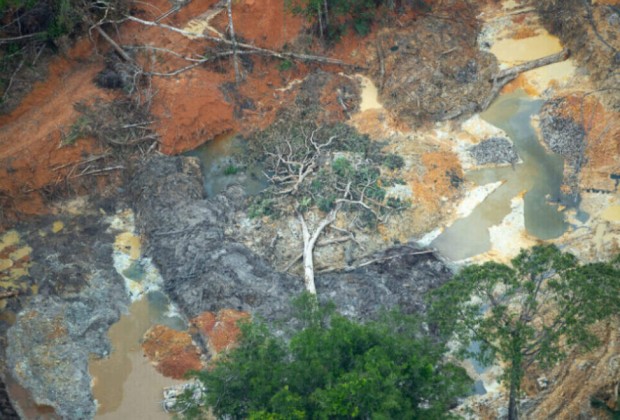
231	31
264	51
8	87
9	294
21	37
114	45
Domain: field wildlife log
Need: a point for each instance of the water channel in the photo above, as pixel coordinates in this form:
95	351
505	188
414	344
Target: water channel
127	386
538	176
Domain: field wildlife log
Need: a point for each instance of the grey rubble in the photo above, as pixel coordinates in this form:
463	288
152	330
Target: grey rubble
205	270
495	150
56	332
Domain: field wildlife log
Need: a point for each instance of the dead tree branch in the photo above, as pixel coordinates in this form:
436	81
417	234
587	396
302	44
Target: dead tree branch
231	31
391	257
530	65
114	45
263	51
9	294
10	84
502	78
21	37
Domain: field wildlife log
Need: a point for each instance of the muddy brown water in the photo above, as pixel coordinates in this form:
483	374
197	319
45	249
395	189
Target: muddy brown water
126	385
540	175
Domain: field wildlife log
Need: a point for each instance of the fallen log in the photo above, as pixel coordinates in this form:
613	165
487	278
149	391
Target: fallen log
530	65
242	45
502	78
114	45
9	294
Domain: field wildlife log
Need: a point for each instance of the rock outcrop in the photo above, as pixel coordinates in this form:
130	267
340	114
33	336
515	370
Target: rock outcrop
57	331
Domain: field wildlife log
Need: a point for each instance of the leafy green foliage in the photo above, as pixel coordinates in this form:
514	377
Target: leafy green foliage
262	206
285	65
56	17
531	311
393	161
336	159
28	26
333	16
231	169
333	367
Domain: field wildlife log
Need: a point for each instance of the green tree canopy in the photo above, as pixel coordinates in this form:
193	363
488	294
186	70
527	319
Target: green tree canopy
533	310
333	367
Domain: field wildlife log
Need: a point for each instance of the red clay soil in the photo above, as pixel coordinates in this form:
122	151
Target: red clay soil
220	330
190	109
30	135
172	352
200	104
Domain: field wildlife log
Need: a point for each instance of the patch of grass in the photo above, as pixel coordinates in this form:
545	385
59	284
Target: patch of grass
342	167
231	169
79	129
262	206
285	65
393	161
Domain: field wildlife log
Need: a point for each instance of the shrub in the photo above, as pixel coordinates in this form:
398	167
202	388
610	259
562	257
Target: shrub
261	207
285	65
333	367
231	169
342	167
393	161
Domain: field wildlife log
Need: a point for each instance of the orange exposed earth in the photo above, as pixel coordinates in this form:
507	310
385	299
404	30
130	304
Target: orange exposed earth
189	109
30	135
174	353
221	330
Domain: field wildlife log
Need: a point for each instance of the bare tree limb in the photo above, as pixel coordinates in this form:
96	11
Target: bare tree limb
309	244
391	257
114	45
231	31
21	37
530	65
8	87
277	54
9	294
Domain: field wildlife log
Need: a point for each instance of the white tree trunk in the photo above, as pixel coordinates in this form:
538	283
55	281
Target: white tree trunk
309	243
231	30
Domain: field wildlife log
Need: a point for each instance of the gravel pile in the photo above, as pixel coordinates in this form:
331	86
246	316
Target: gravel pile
495	150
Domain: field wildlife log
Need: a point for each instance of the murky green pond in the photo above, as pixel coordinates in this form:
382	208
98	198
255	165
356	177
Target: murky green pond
221	168
539	176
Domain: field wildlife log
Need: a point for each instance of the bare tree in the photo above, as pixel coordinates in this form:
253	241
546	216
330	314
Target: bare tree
312	169
231	31
289	169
